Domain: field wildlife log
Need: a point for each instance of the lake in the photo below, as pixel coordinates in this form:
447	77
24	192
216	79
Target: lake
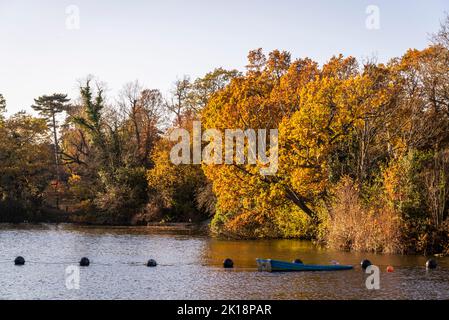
190	267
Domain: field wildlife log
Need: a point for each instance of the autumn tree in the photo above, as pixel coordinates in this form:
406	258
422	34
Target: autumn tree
179	102
175	190
25	159
442	36
203	88
107	148
252	101
183	192
318	113
142	112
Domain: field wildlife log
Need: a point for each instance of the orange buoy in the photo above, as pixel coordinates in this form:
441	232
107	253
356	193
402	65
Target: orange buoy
390	269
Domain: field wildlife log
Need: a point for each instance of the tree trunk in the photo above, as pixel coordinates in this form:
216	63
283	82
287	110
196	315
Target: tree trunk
302	205
56	148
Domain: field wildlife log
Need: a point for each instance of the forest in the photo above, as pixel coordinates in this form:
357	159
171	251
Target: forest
363	153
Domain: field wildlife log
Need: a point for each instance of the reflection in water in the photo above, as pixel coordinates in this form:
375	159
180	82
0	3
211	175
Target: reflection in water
190	267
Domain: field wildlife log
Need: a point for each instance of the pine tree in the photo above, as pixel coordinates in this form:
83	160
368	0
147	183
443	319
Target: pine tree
48	107
2	104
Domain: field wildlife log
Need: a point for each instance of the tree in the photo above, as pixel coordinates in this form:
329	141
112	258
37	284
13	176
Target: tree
317	111
175	190
202	89
106	149
2	104
179	103
442	36
25	159
142	111
258	99
183	192
48	107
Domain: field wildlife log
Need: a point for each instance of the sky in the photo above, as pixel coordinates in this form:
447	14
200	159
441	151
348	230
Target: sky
47	46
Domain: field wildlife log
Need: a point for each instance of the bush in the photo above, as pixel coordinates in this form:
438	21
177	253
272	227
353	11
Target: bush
355	226
13	211
124	195
247	225
285	222
177	192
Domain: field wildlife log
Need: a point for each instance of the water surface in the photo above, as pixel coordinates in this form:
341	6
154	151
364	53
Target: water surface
190	267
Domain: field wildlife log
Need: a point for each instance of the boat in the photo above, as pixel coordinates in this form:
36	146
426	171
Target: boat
270	265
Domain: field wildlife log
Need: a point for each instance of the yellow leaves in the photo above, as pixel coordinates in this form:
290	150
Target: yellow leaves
316	111
309	182
340	67
310	135
74	179
313	112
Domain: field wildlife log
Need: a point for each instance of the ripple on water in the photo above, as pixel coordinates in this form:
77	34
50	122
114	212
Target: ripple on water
190	267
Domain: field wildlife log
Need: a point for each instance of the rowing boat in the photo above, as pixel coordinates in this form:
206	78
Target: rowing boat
270	265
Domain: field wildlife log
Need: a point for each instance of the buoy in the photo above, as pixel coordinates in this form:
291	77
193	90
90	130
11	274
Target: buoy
390	269
431	264
84	262
298	261
228	263
365	263
151	263
19	261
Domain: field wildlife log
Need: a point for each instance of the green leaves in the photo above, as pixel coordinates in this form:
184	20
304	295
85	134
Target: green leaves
25	166
2	104
48	106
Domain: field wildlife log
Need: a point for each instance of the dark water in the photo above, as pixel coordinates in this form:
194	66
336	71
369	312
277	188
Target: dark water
190	267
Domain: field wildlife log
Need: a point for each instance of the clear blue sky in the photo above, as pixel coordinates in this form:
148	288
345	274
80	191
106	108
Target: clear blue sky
159	41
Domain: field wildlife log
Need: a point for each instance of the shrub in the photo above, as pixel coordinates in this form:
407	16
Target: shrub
354	225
